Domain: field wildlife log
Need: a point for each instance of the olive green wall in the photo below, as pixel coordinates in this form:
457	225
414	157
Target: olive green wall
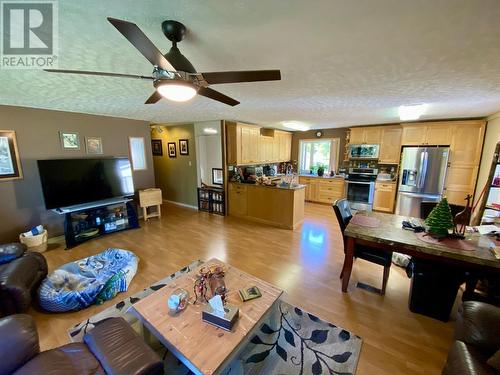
176	177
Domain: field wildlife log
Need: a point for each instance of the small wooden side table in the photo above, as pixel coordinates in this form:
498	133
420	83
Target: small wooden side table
150	198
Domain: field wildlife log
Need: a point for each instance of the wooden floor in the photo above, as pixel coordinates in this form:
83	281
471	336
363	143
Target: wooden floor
305	263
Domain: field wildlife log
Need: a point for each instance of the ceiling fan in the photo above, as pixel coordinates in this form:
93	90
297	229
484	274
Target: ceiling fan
174	77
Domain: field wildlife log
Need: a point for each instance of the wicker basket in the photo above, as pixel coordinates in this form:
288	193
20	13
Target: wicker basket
36	243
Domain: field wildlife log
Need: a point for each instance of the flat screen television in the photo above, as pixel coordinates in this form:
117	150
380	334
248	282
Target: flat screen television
69	182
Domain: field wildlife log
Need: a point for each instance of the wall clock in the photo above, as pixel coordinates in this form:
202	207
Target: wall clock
319	134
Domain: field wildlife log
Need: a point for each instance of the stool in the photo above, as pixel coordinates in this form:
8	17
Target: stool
150	198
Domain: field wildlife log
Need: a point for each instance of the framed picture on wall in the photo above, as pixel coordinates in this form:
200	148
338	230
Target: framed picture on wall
70	140
157	147
10	165
172	150
183	147
93	145
217	176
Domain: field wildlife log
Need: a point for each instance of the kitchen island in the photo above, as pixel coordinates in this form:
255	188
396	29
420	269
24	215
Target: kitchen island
277	206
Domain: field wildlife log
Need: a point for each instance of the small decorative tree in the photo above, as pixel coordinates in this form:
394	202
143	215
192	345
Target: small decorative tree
440	219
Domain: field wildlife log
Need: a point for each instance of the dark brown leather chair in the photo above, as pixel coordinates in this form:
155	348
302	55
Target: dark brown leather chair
21	273
477	335
112	347
381	257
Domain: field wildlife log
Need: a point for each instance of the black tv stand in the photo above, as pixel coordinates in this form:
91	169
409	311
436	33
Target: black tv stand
85	222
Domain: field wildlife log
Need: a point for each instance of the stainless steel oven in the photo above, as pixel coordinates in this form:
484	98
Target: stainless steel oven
360	187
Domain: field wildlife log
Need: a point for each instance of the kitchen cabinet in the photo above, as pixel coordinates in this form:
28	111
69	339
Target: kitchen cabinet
465	155
390	145
323	190
274	206
368	135
246	146
238	205
385	196
427	134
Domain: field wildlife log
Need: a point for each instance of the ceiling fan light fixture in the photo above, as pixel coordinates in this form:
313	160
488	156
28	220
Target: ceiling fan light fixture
177	91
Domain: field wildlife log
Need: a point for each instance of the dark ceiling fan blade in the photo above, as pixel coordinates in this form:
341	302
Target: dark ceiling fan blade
215	95
140	41
154	98
98	74
242	76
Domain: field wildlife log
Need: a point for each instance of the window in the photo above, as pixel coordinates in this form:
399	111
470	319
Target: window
318	152
137	153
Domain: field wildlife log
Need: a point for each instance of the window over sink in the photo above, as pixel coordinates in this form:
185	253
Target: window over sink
318	152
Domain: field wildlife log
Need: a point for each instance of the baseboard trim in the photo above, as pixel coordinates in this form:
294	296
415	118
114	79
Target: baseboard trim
181	204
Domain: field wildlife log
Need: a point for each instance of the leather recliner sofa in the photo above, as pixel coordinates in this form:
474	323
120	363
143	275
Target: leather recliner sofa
21	273
112	347
477	339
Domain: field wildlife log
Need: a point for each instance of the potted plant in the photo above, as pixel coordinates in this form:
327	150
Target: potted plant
321	170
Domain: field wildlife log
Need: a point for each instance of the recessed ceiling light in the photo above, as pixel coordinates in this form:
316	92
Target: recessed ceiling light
296	125
210	131
411	112
175	90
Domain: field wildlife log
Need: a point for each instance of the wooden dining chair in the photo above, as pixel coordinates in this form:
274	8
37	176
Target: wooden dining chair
370	254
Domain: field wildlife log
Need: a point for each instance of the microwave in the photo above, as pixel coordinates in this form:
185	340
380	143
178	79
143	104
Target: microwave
363	151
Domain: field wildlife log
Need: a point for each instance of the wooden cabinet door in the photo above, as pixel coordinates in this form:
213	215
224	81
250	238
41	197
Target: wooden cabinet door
466	143
233	144
460	181
288	146
390	146
372	135
357	136
254	144
246	145
413	135
385	196
237	200
276	147
438	135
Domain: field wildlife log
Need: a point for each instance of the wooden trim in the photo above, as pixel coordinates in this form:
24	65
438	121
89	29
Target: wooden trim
225	174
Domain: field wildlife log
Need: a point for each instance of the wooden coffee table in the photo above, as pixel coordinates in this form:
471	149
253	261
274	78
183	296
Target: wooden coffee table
203	348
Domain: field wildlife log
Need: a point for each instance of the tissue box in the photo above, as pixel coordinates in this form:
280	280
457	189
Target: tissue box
225	321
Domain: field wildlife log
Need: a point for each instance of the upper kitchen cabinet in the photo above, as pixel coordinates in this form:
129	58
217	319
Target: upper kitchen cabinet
246	146
365	135
426	134
390	145
466	142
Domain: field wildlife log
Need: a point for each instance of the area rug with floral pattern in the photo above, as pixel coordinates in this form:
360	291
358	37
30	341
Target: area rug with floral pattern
289	341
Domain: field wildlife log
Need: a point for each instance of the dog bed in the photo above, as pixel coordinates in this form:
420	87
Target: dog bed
94	279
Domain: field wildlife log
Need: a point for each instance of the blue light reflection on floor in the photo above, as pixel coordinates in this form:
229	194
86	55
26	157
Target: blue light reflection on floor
313	244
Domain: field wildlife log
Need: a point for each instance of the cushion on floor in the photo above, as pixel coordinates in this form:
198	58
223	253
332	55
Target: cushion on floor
78	284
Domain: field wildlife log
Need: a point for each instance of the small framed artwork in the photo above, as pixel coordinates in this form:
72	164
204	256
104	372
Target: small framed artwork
10	165
157	147
217	176
172	150
183	147
93	145
70	141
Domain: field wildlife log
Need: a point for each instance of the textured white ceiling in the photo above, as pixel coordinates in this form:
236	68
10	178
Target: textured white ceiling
342	62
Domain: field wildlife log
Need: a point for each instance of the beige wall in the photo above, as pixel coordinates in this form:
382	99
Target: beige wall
310	134
176	177
37	131
491	138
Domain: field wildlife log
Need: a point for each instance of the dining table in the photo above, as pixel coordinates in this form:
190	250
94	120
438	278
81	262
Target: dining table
384	231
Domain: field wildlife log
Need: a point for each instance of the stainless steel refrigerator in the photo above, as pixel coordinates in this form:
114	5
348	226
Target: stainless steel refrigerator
421	178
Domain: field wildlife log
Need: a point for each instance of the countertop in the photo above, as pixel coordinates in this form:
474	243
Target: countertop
294	187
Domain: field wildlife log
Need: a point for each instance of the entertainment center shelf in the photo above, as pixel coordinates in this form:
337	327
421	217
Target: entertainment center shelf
96	219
